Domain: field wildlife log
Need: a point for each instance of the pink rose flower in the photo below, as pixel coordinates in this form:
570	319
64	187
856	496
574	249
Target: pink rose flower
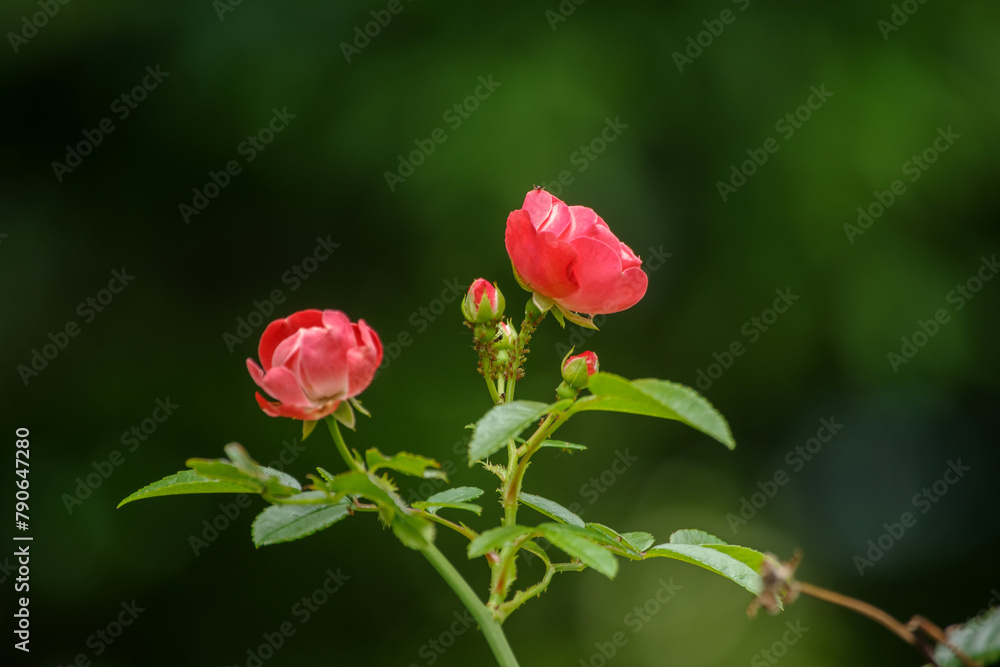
311	361
568	255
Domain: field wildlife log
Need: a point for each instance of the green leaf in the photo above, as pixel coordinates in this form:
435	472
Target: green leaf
404	462
751	558
239	456
978	638
279	483
562	444
188	481
452	498
633	543
221	469
639	540
287	522
691	536
496	538
573	542
373	488
711	557
551	509
244	469
413	532
502	423
655	398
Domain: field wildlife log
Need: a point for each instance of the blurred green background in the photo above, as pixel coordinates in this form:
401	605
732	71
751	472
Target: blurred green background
559	75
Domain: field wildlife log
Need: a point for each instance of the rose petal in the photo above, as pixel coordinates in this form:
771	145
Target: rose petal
540	259
279	330
282	385
603	286
321	366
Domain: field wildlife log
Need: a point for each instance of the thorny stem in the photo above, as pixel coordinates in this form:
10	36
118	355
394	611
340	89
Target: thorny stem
461	529
885	620
352	463
483	615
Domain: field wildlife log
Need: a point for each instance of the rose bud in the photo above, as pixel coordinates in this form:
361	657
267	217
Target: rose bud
568	256
311	361
506	338
576	370
483	302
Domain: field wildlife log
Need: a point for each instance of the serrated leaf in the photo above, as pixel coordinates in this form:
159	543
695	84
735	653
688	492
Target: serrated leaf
692	536
655	398
502	423
241	458
405	463
373	488
619	539
711	558
562	444
570	540
749	557
221	469
287	522
978	638
279	483
327	475
413	532
190	482
452	498
551	509
496	538
640	540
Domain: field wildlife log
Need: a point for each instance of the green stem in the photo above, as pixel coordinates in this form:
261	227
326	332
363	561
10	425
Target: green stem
352	463
490	626
493	390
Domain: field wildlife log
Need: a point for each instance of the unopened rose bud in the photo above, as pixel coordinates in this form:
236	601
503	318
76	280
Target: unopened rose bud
576	370
506	336
483	302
